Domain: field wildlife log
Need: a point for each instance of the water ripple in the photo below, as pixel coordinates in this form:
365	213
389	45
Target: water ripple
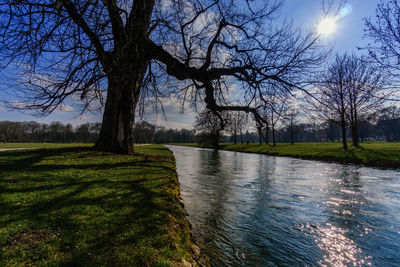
257	210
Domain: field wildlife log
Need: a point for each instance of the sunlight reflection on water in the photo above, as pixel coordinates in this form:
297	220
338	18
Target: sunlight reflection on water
339	249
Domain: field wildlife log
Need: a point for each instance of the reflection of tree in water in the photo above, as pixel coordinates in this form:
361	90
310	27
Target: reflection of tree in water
273	217
239	187
256	211
214	181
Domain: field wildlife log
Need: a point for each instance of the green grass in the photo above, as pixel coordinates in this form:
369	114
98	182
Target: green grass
42	145
73	206
379	154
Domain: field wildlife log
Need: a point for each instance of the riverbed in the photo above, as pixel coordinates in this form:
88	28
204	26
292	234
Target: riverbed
259	210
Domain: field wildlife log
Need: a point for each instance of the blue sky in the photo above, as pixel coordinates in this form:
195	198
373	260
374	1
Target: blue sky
347	37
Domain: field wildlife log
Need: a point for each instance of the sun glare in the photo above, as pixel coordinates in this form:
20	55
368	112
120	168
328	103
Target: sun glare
327	26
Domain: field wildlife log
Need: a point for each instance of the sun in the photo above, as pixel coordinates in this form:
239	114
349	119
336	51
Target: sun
327	26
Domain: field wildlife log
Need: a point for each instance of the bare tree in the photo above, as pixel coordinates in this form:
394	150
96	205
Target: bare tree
274	111
290	119
260	133
236	123
330	98
209	127
351	88
384	33
123	51
366	91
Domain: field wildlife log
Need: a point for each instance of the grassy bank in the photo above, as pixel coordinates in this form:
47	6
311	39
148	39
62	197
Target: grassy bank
73	206
384	155
42	145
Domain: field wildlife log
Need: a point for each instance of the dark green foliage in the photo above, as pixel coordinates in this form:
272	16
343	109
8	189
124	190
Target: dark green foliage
55	132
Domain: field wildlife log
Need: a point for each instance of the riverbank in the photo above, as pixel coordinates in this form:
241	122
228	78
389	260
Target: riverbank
74	206
382	155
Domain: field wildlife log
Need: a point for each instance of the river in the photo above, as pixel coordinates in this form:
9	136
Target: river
259	210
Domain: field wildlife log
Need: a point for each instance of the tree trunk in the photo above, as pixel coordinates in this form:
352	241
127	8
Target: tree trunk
343	126
125	80
215	141
355	127
273	136
125	70
343	119
267	135
234	137
291	134
259	134
354	134
116	133
241	137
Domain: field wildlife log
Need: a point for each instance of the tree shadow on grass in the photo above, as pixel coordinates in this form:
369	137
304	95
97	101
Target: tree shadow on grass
109	218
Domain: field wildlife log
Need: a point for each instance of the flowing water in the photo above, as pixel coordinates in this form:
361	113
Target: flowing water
258	210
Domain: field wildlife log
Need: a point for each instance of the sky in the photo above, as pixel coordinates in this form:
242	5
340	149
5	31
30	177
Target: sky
347	36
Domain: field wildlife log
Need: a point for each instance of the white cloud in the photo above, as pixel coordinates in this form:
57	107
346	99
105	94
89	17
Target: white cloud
171	124
173	117
172	107
18	104
84	117
65	108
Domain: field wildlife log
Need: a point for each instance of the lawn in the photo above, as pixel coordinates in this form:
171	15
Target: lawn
73	206
379	154
42	145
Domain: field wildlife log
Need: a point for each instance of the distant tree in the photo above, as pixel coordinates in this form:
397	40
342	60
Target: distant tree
290	119
273	112
45	130
82	133
365	91
248	137
186	136
367	130
332	131
56	132
209	127
330	98
236	122
69	133
388	119
351	88
144	132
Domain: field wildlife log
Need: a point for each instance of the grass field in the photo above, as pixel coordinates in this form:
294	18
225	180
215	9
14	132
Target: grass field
380	154
73	206
42	145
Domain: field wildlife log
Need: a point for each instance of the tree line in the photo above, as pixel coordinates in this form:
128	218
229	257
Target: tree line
55	132
381	124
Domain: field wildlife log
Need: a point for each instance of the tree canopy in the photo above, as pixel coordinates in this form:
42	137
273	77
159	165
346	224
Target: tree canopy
116	52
